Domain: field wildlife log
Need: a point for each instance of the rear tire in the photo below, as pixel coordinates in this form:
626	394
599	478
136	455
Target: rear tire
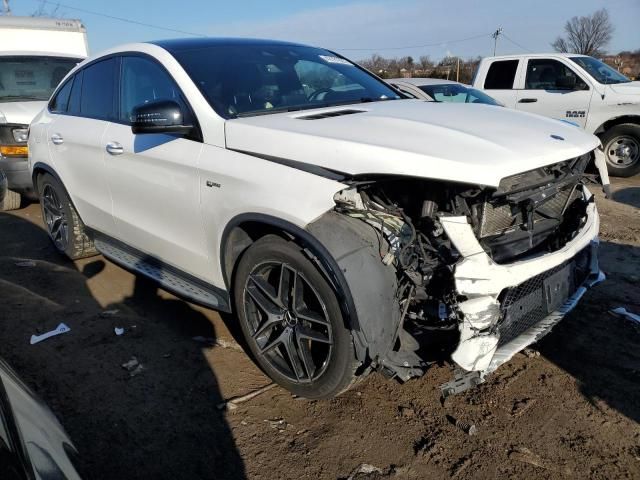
291	320
621	145
66	230
11	201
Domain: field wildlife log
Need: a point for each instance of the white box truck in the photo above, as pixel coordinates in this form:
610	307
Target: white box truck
576	88
35	54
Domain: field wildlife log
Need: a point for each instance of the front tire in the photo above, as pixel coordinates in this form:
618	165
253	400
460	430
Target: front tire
621	145
291	320
64	226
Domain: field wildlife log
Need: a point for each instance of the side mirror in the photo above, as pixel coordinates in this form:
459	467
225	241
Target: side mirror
159	116
567	82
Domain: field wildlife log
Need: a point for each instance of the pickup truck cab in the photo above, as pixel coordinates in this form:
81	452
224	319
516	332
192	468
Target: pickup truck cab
576	88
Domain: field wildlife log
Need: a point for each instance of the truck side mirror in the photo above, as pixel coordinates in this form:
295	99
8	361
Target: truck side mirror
566	82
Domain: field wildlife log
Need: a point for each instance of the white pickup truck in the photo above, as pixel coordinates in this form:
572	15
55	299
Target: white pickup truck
576	88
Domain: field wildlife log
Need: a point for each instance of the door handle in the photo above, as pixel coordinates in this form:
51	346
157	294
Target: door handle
57	139
114	148
528	100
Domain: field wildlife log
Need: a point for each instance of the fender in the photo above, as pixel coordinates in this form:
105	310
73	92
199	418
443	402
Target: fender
355	246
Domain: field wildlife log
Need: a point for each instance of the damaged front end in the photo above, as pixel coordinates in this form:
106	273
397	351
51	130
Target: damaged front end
476	272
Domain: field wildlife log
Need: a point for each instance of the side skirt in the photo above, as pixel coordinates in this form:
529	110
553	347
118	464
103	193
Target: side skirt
168	277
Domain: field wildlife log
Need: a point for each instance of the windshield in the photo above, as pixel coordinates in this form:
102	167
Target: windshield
25	78
602	72
456	93
246	80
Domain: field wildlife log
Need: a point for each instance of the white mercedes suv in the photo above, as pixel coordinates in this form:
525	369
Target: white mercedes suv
349	228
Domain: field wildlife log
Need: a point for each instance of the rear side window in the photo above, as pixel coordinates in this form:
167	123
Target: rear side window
97	96
501	75
60	102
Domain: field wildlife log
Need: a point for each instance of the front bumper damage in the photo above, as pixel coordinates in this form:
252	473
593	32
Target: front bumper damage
540	291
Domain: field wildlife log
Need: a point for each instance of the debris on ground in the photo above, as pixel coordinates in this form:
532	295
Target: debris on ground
530	353
277	423
133	366
118	331
363	469
232	403
468	428
109	313
62	328
524	455
406	412
28	263
218	342
622	312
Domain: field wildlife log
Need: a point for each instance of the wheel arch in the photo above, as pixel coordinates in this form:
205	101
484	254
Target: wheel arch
612	122
243	230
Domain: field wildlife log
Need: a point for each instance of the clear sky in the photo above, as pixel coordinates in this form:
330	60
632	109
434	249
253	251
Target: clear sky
355	28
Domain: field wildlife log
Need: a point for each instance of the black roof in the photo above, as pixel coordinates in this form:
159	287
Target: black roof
181	44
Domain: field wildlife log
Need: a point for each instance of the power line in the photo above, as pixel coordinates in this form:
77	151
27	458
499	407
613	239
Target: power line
516	43
416	46
121	19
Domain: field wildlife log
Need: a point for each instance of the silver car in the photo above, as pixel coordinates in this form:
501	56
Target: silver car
439	90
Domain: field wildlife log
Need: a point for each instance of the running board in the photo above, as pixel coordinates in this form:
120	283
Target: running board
168	277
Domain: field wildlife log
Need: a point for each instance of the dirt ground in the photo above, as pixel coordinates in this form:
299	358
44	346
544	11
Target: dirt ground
571	411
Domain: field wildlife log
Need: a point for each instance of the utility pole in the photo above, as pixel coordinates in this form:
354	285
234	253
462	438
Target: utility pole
458	71
495	36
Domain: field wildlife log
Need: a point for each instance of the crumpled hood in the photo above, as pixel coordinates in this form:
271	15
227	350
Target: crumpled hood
20	112
629	88
478	144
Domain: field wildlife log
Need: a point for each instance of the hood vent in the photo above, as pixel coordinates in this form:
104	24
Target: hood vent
333	113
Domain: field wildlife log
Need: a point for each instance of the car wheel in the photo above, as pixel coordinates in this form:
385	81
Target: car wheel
11	201
622	149
64	226
291	320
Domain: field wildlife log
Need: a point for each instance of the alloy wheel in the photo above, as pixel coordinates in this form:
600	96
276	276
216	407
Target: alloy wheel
288	321
55	218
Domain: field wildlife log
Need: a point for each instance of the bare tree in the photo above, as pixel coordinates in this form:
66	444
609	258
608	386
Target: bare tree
425	63
587	35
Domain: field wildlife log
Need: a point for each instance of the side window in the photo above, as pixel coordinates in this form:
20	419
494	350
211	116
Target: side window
143	81
96	100
60	102
546	74
501	75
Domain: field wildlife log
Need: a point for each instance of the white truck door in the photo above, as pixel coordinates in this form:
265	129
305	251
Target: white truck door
553	89
500	81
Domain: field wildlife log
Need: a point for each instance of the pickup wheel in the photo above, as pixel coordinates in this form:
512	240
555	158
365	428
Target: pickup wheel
622	149
11	201
292	321
64	226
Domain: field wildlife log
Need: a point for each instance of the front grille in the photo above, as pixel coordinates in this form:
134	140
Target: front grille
498	219
524	305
